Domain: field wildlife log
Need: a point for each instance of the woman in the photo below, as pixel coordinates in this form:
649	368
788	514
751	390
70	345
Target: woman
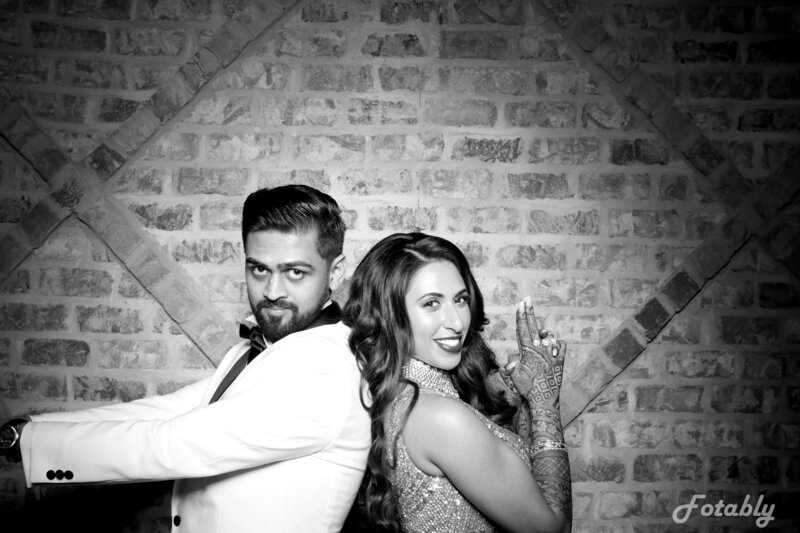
442	458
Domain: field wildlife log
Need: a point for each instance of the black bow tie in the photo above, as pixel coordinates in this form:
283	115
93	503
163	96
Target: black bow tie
253	333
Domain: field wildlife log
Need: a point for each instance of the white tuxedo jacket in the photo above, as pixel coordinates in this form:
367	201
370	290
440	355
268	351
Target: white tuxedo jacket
283	450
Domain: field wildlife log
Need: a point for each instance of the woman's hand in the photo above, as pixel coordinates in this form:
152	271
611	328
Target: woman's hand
537	371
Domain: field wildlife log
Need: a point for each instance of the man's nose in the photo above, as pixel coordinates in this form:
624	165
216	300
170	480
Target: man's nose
275	287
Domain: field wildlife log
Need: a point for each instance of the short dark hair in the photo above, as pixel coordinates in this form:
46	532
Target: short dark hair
293	209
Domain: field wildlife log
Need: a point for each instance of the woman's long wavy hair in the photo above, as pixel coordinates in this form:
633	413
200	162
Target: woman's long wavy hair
382	340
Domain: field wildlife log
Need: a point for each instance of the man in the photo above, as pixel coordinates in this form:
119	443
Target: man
276	440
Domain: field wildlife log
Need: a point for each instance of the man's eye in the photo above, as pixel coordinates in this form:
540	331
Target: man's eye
295	274
258	270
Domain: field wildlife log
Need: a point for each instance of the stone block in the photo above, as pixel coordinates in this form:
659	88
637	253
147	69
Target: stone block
659	398
443	183
606	116
774	51
81	282
487	150
473	45
572	223
175	146
565	150
323	43
629	433
562	10
423	146
150	41
754	330
652	318
210	335
461	113
718	83
694	51
369	182
615	59
403	218
402	12
347	148
209	251
32	317
15	248
168	218
540	114
41	220
744	470
661	224
171	97
588	33
107	319
130	135
177	298
614	186
106	389
32	387
394	45
610	257
133	354
679	289
539	257
55	352
624	347
340	78
483	220
648	468
105	161
539	186
245	146
44	155
221	216
147	266
597	469
229	41
224	181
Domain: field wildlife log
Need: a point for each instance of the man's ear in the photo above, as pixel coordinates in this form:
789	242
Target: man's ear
336	272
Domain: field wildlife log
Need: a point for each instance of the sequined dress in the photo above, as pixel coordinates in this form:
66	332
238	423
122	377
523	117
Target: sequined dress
430	504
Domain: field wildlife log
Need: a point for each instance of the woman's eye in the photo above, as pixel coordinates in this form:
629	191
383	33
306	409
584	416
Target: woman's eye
431	304
461	300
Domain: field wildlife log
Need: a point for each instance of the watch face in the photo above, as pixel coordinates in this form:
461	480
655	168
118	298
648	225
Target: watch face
8	437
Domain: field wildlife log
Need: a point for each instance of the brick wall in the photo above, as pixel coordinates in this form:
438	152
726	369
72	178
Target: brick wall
628	164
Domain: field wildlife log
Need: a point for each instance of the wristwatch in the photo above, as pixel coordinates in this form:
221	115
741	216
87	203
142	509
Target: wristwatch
9	438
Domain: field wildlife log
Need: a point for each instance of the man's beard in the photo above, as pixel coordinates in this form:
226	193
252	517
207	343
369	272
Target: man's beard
274	328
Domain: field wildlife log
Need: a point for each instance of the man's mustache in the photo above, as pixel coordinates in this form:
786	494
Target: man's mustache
275	304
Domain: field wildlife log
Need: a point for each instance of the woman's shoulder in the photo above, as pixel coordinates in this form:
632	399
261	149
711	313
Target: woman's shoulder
443	416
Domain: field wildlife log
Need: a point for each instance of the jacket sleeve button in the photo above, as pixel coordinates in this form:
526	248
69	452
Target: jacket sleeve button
68	475
51	475
59	474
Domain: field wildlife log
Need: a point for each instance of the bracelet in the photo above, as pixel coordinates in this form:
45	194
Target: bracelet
546	446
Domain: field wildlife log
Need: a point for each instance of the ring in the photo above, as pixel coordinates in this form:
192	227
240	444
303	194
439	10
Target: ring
543	333
537	342
547	341
554	351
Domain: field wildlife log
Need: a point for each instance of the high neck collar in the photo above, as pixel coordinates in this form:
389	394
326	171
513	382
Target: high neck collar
429	378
